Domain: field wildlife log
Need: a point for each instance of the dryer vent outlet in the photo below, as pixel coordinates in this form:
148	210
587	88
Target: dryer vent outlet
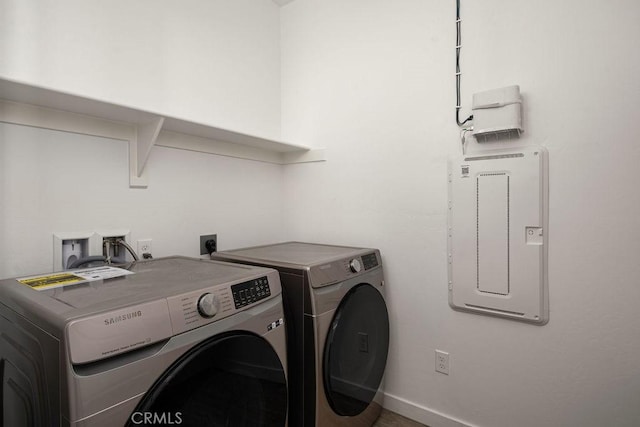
208	244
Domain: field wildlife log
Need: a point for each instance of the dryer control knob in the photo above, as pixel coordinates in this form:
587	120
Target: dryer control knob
355	265
208	305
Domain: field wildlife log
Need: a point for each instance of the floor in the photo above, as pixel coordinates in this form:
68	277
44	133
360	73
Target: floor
391	419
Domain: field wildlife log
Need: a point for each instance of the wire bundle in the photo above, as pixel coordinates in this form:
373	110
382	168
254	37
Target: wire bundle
458	73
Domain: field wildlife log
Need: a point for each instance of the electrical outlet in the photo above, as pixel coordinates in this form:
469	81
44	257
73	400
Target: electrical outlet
144	247
442	362
208	244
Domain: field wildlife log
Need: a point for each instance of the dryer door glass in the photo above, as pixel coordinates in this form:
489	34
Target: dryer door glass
356	349
229	380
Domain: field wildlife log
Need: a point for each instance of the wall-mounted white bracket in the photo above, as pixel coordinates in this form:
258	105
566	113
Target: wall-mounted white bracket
310	156
139	150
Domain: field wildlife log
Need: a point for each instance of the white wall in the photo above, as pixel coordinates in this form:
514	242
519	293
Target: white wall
209	61
373	81
42	192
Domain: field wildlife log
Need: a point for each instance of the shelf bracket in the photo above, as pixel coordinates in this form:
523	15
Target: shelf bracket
309	156
139	150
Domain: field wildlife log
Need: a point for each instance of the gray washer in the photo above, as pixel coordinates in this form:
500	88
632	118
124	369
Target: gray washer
337	329
180	341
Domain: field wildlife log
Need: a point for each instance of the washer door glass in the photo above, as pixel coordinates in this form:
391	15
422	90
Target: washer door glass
355	352
231	380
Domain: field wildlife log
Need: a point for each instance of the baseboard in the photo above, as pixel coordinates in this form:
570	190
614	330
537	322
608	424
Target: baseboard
420	413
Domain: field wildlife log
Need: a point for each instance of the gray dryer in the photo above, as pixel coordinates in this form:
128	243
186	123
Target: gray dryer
337	329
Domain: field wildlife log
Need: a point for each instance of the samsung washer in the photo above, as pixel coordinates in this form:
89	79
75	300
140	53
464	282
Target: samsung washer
179	342
337	326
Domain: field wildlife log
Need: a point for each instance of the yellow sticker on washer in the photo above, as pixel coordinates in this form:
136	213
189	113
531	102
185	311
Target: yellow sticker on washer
51	280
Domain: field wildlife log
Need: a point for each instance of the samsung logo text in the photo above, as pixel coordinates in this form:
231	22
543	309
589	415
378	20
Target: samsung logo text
122	317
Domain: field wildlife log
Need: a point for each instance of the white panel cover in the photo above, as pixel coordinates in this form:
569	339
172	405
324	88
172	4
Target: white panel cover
498	234
492	232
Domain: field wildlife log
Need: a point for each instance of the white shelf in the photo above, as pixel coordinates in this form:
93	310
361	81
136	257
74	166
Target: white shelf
42	107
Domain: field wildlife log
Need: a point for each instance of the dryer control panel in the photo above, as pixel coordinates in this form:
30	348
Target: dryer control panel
369	261
345	268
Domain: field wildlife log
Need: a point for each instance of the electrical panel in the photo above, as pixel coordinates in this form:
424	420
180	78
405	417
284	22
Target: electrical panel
498	215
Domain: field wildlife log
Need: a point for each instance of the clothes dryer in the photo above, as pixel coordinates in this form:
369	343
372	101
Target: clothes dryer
179	341
337	326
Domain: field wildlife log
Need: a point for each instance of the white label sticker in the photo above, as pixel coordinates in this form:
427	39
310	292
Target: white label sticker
74	277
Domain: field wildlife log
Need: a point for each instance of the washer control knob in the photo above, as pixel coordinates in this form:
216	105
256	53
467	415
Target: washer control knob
355	265
207	305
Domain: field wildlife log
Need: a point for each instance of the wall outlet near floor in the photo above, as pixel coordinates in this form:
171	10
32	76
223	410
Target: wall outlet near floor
442	362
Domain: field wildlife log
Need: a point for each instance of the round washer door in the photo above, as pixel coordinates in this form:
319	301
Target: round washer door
355	352
231	380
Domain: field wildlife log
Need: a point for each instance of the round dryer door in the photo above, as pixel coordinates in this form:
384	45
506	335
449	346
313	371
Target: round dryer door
355	352
233	379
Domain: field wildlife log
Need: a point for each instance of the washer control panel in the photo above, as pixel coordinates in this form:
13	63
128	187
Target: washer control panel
208	305
249	292
198	308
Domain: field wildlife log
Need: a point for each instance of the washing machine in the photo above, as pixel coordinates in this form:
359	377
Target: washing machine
337	326
170	341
